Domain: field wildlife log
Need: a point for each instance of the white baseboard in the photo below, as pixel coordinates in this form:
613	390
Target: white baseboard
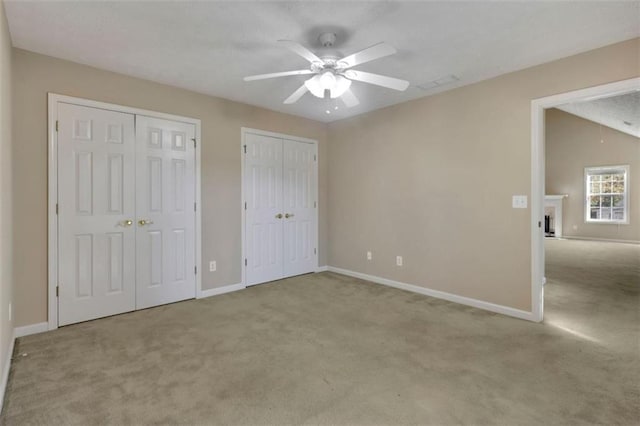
606	240
500	309
28	330
41	327
220	290
322	269
6	368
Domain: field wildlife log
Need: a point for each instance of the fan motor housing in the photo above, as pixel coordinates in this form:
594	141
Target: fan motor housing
328	63
327	39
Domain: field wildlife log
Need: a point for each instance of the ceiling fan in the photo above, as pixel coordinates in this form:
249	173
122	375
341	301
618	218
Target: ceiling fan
332	76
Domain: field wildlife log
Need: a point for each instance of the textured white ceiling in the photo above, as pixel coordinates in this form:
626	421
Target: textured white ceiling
620	112
209	46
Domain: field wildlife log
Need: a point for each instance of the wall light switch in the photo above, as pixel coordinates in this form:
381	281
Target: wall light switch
399	260
519	202
212	266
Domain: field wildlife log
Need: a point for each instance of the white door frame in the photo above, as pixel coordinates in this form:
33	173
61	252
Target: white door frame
538	107
556	202
243	132
52	249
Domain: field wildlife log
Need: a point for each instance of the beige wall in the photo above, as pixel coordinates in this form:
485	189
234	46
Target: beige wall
432	180
35	75
573	143
6	280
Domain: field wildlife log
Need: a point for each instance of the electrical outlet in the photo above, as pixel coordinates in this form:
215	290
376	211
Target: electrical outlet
369	255
212	266
398	260
10	313
519	202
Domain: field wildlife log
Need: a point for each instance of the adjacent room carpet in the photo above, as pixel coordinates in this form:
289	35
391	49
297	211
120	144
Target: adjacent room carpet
329	349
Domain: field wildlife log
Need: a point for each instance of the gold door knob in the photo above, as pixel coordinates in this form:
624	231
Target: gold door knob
288	215
127	222
279	216
143	222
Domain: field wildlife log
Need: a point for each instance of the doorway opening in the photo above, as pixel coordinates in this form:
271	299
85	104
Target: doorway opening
553	208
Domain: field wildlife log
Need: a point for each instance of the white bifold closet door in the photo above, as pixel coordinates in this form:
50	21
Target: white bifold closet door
263	221
96	213
126	217
299	195
280	217
165	197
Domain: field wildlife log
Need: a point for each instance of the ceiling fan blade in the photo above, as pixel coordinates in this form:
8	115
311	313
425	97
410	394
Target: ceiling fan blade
372	53
301	50
349	98
296	95
378	80
277	74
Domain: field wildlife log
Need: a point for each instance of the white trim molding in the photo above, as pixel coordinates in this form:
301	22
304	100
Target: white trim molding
53	100
198	201
538	107
322	269
555	202
216	291
6	369
601	240
480	304
28	330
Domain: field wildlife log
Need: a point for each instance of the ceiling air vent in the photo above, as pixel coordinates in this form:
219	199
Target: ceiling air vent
442	81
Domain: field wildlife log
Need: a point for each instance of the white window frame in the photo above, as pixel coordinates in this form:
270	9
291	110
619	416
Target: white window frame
587	205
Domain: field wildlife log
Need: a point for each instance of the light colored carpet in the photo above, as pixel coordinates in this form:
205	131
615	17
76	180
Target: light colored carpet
328	349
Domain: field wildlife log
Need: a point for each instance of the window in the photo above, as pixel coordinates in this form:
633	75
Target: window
607	194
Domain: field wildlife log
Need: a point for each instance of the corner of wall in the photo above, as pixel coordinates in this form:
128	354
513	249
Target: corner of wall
6	194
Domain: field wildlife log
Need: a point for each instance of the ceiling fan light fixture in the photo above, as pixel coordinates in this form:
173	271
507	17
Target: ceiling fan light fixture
335	84
341	85
327	80
335	75
315	87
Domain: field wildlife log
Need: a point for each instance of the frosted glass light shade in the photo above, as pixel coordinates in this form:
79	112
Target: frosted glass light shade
327	80
335	84
341	85
314	86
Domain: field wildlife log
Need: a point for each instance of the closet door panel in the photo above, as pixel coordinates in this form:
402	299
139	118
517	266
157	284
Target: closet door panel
263	209
165	222
299	199
96	209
